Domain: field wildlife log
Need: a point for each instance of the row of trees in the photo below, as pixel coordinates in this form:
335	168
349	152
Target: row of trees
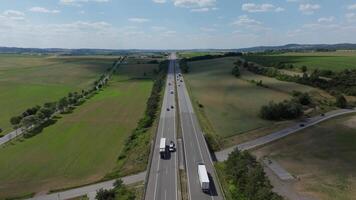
209	56
37	116
344	82
236	70
119	192
246	178
183	64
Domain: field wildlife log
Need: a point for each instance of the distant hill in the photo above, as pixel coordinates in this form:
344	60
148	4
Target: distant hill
300	47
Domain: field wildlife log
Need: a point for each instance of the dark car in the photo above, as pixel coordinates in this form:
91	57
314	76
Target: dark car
301	125
172	107
167	109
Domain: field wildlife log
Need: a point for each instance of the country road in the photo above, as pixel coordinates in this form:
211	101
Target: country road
89	190
195	148
163	174
223	155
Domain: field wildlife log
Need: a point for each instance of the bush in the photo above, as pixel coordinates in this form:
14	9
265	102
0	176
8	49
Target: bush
283	110
105	194
236	71
341	101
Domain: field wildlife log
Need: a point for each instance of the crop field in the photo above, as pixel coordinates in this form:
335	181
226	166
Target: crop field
189	54
323	157
81	147
335	61
26	81
231	104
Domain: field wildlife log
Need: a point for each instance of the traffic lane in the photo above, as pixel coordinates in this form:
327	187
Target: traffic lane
153	182
167	187
192	121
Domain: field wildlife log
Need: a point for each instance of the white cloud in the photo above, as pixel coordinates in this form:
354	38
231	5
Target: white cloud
200	10
308	9
159	1
351	17
138	20
352	7
266	7
326	19
43	10
194	3
79	2
245	20
14	15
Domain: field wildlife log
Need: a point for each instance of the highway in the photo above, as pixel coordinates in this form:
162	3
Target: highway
195	148
163	174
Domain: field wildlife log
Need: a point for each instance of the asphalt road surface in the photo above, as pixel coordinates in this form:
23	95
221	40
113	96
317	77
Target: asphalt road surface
195	148
163	175
223	155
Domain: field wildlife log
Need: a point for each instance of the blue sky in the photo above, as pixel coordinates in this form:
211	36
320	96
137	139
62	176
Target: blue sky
174	24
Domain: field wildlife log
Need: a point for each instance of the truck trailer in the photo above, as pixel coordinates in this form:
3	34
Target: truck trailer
162	148
203	178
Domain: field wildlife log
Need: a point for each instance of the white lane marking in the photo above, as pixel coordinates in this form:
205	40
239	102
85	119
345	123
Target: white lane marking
163	118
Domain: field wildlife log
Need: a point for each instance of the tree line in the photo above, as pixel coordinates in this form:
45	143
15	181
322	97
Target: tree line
32	120
246	178
343	83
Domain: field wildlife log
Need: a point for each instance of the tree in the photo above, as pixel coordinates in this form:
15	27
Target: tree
63	103
29	121
304	68
105	194
15	120
236	71
46	112
341	101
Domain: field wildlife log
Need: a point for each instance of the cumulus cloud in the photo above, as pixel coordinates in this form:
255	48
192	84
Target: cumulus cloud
326	19
138	20
308	9
79	2
352	7
266	7
194	3
245	20
159	1
14	15
351	17
43	10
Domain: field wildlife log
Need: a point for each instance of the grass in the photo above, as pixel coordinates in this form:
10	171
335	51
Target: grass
230	106
82	147
335	61
323	157
26	81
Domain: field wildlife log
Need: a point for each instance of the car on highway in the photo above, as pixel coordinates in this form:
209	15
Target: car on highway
181	81
167	109
172	147
172	106
172	92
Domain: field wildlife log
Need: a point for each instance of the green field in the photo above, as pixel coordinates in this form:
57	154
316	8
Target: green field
26	81
231	105
81	147
335	61
190	54
323	157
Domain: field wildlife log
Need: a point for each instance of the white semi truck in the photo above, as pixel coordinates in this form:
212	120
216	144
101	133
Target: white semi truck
203	177
162	148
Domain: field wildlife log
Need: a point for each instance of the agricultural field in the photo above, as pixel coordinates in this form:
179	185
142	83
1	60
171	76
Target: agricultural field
322	157
335	61
81	147
190	54
230	106
26	80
